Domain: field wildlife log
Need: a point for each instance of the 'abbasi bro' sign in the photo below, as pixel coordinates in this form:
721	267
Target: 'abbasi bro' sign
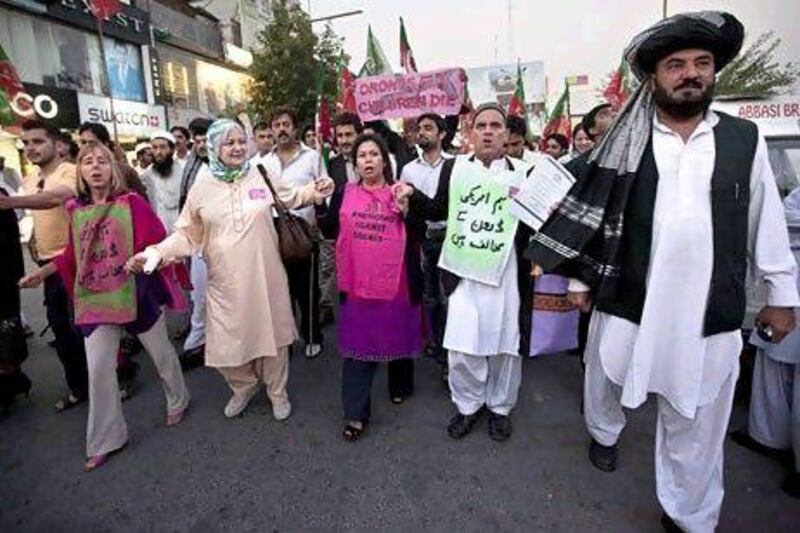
480	228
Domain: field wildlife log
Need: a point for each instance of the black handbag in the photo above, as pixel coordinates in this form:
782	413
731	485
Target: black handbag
296	239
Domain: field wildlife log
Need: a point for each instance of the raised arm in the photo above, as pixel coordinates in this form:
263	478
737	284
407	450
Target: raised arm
188	235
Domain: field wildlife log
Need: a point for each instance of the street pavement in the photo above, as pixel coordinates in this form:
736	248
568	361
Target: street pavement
255	474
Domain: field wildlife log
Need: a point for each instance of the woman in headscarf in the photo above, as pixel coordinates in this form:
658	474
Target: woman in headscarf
228	218
380	282
108	224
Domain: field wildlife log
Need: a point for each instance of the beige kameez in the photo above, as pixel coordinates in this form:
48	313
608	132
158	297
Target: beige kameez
248	310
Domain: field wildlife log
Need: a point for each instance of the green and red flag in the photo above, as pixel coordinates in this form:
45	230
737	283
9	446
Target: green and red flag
559	121
347	88
516	106
407	60
10	85
376	62
323	118
103	9
619	87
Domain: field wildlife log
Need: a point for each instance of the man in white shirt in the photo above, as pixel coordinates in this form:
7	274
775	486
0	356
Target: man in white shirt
163	179
182	145
298	165
423	173
265	142
700	206
517	135
488	325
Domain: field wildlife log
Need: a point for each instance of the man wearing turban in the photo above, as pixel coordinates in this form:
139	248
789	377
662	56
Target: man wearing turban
677	202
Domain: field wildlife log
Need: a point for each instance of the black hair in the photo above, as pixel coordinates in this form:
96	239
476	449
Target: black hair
591	116
378	140
52	132
560	139
284	111
517	125
306	129
441	125
67	139
98	130
199	126
579	127
182	130
261	125
348	119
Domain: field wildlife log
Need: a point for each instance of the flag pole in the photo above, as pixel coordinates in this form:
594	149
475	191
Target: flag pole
105	72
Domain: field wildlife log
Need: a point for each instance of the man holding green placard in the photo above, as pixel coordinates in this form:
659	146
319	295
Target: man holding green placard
484	275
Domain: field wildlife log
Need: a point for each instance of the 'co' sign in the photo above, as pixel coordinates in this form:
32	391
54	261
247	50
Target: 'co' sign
27	106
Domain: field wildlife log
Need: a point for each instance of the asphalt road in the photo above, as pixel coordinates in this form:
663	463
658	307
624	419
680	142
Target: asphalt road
256	474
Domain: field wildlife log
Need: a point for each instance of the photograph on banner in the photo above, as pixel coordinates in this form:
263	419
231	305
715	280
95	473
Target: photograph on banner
410	95
480	227
538	195
497	83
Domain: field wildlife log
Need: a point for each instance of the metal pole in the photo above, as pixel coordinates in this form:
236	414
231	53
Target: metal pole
338	15
664	9
105	72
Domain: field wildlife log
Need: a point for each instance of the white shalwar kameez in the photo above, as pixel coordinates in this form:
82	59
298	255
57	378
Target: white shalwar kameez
775	396
666	354
482	338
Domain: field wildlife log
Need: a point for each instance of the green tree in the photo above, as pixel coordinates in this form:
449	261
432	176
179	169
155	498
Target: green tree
289	60
755	73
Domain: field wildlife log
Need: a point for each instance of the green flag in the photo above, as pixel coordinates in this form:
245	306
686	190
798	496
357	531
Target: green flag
376	63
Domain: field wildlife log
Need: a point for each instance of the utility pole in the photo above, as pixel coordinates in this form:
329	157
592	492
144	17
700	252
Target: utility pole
510	32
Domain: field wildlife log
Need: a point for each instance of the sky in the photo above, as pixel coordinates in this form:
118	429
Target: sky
571	36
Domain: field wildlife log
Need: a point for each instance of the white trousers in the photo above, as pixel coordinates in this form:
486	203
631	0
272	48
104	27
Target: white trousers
689	453
775	405
478	380
271	371
106	430
198	273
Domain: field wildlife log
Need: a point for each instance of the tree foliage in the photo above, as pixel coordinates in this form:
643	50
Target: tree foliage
755	73
289	61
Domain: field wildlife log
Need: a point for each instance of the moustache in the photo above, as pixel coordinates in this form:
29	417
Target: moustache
694	84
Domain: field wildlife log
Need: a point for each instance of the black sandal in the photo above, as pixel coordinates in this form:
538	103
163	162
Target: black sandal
68	402
352	433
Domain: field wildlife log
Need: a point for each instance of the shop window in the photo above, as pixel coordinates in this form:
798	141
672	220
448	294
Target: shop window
60	56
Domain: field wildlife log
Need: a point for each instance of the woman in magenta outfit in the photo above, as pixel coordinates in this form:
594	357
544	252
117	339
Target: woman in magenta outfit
380	283
108	225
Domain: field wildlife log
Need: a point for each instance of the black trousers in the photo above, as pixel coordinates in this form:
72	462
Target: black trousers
69	342
357	377
433	294
304	289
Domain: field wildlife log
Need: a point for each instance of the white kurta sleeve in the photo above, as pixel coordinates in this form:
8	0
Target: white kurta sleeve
576	285
187	237
293	197
770	256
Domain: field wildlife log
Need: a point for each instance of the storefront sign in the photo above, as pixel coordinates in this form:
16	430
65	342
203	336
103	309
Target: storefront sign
410	95
130	24
132	118
775	117
58	107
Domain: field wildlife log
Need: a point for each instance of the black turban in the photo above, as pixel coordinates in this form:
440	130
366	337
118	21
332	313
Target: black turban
718	32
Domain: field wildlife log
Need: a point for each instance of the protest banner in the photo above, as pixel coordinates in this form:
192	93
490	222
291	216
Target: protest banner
104	290
410	95
480	227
